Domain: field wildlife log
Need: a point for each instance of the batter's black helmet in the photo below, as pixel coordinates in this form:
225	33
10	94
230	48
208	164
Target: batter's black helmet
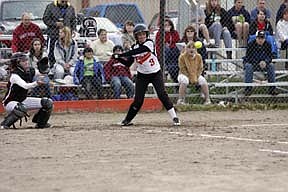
140	28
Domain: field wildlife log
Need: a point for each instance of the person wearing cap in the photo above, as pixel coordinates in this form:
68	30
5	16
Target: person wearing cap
17	102
89	73
119	75
259	58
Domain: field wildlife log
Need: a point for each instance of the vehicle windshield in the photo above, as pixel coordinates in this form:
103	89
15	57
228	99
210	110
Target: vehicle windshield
13	10
103	23
113	13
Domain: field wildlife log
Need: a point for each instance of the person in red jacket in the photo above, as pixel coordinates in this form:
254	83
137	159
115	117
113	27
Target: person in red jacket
171	51
119	75
24	34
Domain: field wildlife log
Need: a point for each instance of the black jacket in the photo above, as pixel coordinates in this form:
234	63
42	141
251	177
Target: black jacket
256	53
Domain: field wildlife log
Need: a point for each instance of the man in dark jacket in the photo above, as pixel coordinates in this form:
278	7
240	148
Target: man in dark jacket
57	15
258	58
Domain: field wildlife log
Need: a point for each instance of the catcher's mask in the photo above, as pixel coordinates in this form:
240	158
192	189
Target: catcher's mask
43	65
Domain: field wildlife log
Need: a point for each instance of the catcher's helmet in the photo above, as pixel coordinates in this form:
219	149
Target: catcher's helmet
140	28
17	57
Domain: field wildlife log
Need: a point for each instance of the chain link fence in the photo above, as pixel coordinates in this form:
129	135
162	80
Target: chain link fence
107	28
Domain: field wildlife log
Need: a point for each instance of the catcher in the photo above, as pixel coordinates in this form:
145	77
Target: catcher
16	103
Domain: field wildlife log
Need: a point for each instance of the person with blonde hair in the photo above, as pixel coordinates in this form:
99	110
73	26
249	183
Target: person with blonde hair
58	14
65	53
190	69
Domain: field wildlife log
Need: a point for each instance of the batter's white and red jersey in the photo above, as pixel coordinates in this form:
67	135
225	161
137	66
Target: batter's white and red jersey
147	62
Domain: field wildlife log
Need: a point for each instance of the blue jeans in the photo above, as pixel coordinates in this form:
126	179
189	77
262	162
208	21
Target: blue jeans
116	84
171	62
42	90
249	69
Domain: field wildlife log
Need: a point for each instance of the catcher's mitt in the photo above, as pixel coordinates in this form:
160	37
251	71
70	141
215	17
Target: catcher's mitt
43	65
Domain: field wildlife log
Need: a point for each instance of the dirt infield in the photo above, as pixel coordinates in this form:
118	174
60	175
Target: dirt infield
240	151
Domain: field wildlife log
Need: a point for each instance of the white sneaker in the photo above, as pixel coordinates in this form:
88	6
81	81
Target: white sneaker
180	102
208	102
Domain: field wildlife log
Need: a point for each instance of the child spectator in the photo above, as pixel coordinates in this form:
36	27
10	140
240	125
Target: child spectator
119	75
191	66
89	73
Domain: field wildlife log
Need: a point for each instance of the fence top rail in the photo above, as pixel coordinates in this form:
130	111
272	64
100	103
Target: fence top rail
239	60
225	49
241	84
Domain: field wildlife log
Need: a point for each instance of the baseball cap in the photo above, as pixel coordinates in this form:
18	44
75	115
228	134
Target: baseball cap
260	34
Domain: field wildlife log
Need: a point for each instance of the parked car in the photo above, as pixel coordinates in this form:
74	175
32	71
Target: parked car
113	32
118	13
11	12
155	22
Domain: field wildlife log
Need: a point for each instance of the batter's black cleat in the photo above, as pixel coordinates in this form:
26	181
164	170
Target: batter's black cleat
176	121
126	123
39	126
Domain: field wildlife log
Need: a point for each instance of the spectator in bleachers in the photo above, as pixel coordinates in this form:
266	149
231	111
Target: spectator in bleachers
281	9
241	20
65	53
58	14
191	66
218	21
102	47
190	36
127	37
119	75
261	24
25	33
259	58
261	6
171	51
35	54
282	30
90	74
203	30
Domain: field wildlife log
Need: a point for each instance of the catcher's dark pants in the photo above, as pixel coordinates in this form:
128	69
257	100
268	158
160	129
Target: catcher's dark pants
141	85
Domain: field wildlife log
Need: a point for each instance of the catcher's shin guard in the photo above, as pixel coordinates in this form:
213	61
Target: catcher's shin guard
17	113
42	116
